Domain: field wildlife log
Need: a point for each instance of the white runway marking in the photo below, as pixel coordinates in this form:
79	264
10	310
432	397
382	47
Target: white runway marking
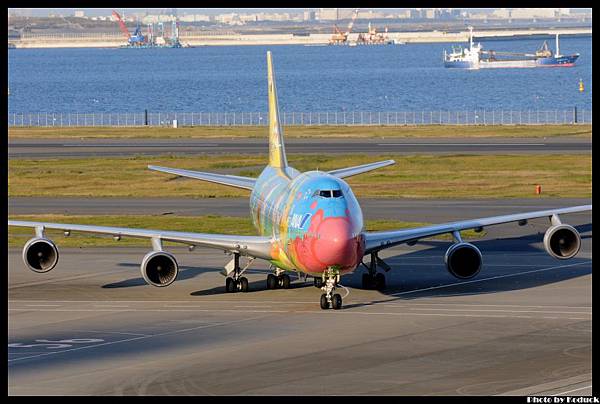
110	305
43	305
138	338
570	391
70	278
461	144
505	311
347	291
488	305
141	145
488	279
109	332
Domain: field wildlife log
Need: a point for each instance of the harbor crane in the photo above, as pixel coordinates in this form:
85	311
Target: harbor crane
339	37
137	38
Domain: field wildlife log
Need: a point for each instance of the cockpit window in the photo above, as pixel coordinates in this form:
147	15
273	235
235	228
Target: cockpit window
327	193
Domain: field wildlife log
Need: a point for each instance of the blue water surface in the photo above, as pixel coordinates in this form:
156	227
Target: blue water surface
309	78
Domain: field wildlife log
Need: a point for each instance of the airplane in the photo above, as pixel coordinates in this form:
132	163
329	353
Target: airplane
309	223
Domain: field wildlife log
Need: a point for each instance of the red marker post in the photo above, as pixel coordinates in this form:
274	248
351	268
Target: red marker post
538	189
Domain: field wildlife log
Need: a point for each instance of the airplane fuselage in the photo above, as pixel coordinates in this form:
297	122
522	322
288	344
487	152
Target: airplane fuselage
313	216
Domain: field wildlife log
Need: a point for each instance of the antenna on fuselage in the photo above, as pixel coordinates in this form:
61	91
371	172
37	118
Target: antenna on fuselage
276	148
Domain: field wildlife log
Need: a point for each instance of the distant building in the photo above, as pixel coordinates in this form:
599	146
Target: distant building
195	18
369	15
530	13
430	13
80	13
308	15
328	14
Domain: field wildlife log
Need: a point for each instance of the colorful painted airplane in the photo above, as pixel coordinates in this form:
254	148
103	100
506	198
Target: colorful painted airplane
310	223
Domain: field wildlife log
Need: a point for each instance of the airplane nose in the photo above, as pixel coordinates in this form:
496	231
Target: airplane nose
336	244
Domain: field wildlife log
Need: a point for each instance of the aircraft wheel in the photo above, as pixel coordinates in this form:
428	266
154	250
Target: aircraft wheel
380	281
244	284
271	282
229	285
366	281
324	302
336	301
318	282
285	281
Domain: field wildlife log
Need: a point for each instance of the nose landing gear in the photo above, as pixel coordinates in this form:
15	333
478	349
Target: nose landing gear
331	278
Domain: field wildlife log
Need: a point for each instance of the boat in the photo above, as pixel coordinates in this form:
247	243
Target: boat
475	57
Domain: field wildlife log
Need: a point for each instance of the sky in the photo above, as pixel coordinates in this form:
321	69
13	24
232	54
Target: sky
44	12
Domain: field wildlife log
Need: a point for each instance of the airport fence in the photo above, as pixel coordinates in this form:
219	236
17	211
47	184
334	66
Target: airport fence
357	118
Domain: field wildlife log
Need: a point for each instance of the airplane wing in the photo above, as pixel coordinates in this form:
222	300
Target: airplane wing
350	171
254	246
231	180
375	241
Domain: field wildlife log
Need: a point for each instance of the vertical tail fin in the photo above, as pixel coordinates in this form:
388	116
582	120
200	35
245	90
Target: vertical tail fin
276	148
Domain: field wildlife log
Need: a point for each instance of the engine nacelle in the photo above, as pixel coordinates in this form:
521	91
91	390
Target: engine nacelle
463	260
40	254
159	268
562	241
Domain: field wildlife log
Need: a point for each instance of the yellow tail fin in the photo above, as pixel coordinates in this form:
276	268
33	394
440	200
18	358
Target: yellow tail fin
276	148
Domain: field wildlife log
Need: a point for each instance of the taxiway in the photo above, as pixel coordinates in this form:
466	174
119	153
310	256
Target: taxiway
521	327
43	148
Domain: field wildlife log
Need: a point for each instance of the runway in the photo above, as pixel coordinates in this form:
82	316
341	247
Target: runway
521	327
43	148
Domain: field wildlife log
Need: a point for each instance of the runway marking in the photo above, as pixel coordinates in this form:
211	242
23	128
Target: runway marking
157	310
570	391
43	305
236	311
43	282
347	291
109	305
396	261
138	338
462	144
483	305
109	332
433	314
507	311
250	307
141	145
488	279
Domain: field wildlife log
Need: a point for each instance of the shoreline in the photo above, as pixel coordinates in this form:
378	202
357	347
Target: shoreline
197	40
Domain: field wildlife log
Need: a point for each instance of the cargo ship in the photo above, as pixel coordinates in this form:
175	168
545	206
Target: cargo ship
475	57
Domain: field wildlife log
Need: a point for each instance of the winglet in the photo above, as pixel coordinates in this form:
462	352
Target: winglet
276	148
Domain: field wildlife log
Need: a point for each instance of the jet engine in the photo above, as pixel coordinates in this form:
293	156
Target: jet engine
562	241
40	254
159	268
463	260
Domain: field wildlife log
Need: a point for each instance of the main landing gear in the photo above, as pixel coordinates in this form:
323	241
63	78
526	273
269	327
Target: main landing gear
236	282
278	281
373	279
331	278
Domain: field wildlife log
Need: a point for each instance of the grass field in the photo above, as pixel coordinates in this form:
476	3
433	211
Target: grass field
421	176
17	236
535	131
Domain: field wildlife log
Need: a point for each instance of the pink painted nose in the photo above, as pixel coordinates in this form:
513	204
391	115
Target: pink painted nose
336	244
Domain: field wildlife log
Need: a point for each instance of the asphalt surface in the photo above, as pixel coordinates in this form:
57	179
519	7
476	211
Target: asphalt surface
410	210
42	148
521	327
